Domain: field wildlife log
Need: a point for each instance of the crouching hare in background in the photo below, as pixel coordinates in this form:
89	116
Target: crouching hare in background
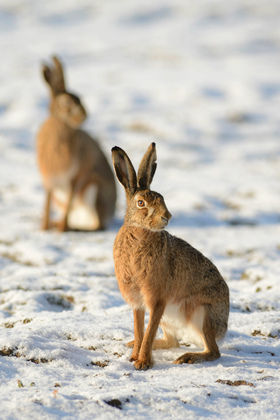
75	172
182	290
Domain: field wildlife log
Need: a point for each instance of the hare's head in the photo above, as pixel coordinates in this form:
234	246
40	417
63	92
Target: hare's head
145	208
64	105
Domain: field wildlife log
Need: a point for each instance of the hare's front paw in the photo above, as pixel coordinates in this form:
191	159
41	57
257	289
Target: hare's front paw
45	225
143	364
62	225
133	358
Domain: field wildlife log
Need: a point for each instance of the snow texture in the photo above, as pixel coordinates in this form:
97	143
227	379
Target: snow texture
201	79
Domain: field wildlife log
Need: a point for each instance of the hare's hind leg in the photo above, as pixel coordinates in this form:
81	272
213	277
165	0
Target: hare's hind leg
168	341
101	208
208	334
92	196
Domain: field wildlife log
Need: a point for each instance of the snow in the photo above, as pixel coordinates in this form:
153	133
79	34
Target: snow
202	80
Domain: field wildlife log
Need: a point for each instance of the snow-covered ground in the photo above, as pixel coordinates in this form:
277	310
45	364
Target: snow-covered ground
201	79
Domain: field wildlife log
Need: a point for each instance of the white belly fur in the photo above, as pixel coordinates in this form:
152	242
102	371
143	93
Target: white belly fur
176	324
83	213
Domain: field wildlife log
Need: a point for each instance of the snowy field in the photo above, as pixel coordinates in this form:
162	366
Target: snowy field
202	80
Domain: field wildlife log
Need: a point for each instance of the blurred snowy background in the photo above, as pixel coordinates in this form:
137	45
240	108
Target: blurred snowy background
202	80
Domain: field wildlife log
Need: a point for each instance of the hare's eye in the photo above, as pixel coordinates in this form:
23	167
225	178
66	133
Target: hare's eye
141	203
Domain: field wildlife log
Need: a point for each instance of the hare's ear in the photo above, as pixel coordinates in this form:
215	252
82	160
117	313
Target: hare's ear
54	76
147	167
124	169
47	74
60	81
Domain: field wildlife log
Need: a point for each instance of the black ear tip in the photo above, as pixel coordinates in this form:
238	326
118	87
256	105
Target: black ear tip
153	145
115	149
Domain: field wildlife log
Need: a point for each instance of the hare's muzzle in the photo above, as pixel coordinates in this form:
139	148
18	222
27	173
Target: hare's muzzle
166	217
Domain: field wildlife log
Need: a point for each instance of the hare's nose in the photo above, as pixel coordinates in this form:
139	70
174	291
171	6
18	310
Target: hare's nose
167	215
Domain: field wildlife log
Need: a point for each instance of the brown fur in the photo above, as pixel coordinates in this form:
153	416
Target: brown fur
164	274
69	159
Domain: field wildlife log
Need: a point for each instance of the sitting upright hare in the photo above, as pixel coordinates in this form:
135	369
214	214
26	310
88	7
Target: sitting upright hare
182	290
75	172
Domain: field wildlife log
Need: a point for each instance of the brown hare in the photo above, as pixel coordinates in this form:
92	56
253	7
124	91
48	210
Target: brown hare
75	172
182	290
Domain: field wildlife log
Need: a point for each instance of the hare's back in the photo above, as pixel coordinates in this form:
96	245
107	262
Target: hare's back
92	156
57	151
189	264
